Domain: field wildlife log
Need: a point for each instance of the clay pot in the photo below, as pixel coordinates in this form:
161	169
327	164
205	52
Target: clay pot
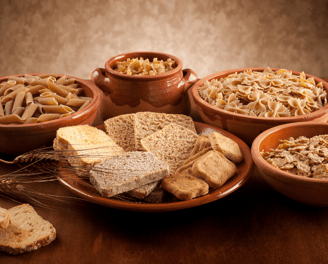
247	127
166	93
306	190
18	139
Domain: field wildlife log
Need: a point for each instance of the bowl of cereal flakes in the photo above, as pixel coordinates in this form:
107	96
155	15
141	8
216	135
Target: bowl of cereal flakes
248	101
33	106
144	81
293	159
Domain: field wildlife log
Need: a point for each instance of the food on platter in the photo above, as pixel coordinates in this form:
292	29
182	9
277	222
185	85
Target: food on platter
265	94
39	98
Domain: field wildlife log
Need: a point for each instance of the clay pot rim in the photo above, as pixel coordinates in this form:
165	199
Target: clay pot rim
271	170
143	54
52	123
254	119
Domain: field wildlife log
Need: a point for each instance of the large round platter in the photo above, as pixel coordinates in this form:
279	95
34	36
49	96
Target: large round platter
84	189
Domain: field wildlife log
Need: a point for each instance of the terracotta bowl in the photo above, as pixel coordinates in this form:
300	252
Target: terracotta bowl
305	190
247	127
18	139
165	93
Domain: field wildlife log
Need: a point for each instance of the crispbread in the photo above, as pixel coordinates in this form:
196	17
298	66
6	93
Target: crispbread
226	146
121	130
147	123
173	144
185	186
156	196
84	145
4	218
127	172
27	231
214	168
143	191
202	142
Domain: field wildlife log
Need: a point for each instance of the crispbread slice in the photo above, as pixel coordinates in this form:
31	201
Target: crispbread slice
4	218
185	186
147	123
143	191
27	232
85	145
226	146
121	130
127	172
214	168
173	144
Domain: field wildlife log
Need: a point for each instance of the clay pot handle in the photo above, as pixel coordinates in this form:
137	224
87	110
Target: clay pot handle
187	73
98	77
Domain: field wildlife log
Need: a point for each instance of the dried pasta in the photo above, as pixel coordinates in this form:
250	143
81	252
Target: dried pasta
265	94
31	99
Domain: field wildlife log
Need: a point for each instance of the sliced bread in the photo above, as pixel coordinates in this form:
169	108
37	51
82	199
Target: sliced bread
4	218
27	232
143	191
85	145
127	172
173	145
121	130
147	123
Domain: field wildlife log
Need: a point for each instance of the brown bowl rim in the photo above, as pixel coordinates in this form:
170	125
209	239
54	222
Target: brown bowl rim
255	119
144	54
94	103
261	163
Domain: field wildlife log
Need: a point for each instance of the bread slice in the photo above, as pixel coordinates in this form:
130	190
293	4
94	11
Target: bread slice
121	130
27	232
202	142
147	123
173	145
127	172
4	218
228	147
143	191
156	196
84	145
214	168
185	186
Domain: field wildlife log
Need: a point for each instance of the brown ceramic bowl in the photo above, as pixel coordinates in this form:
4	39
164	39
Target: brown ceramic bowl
305	190
165	93
84	189
18	139
243	126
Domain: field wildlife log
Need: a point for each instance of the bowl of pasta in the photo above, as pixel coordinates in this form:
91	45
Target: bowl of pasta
293	159
248	101
34	106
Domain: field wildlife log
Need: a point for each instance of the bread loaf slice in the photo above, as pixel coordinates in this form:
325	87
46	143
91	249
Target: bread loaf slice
214	168
84	145
127	172
4	218
147	123
173	145
27	232
121	130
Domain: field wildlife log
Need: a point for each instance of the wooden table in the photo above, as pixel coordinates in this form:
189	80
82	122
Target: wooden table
255	224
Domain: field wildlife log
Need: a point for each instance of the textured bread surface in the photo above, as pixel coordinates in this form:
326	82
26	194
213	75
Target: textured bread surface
85	145
214	168
127	172
121	130
228	147
185	186
27	231
4	218
147	123
202	142
173	144
143	191
156	196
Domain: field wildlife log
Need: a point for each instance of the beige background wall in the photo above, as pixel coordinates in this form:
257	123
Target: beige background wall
75	37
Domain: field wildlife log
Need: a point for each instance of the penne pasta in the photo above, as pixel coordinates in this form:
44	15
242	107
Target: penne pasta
47	101
76	102
13	88
57	89
2	112
43	82
18	111
20	80
28	98
6	86
61	109
68	88
35	89
18	100
48	117
86	103
8	107
31	120
47	75
62	80
66	114
29	111
60	99
12	95
11	119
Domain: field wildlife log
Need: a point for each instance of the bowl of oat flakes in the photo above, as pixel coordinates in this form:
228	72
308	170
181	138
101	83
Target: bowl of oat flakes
248	101
293	159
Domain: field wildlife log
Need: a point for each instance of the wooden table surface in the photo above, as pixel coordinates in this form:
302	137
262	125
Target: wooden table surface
254	224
